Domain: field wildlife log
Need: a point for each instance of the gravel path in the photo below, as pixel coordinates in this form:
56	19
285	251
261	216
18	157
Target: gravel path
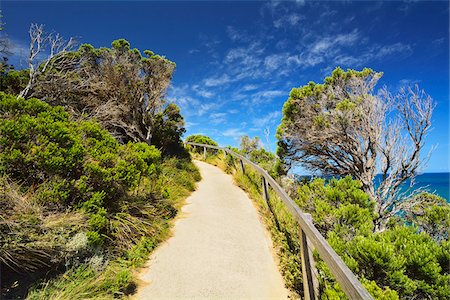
219	249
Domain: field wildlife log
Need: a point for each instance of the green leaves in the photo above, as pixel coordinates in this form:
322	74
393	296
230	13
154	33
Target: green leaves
38	143
201	139
398	262
121	44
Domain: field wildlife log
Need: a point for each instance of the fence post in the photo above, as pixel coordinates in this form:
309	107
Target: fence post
204	153
265	189
242	166
310	284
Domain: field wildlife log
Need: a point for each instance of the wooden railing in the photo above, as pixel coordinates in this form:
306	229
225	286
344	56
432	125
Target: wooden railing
309	235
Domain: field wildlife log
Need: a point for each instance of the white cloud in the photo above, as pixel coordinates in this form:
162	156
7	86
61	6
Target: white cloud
249	87
265	96
269	119
235	133
205	108
189	125
202	92
274	61
374	53
332	42
397	48
218	118
218	80
237	35
180	95
289	20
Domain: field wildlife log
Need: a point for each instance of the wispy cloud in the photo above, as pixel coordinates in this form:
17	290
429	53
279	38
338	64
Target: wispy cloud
266	96
237	35
217	80
234	133
374	53
202	92
249	87
206	108
218	118
269	119
286	21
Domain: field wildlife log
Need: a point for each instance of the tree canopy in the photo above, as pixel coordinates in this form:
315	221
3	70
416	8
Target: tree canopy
201	139
343	127
123	89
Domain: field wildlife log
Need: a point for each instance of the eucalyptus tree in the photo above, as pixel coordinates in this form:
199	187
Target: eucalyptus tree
342	127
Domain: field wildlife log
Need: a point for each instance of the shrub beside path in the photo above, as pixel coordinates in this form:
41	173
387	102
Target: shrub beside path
219	248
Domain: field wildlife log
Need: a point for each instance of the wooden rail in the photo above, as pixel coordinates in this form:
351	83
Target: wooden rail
310	235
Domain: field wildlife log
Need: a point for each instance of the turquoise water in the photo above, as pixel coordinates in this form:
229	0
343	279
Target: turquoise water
437	183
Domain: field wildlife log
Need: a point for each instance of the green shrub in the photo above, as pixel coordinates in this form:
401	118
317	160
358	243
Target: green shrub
400	259
201	139
403	262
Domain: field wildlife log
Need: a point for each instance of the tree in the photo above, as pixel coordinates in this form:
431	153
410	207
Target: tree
5	51
249	145
4	46
39	42
169	127
13	81
253	150
341	127
402	258
118	86
201	139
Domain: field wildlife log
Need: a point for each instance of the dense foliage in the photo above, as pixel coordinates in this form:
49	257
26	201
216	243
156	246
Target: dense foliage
252	149
74	197
403	258
13	81
201	139
409	259
169	127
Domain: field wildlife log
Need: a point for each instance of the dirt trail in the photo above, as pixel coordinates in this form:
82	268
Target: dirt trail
219	249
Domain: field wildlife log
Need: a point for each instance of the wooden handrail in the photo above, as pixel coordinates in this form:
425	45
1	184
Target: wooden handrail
344	276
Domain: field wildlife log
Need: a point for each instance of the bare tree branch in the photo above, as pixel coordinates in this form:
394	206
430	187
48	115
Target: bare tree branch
342	128
39	42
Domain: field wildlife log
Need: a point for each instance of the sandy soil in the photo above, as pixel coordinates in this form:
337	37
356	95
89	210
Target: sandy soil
219	249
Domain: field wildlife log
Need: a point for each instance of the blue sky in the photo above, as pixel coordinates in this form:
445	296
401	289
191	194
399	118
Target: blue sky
237	61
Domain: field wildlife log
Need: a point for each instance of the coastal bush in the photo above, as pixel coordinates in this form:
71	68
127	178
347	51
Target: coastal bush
168	129
73	197
13	81
201	139
410	259
401	258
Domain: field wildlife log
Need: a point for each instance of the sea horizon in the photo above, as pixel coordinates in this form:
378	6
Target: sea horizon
433	182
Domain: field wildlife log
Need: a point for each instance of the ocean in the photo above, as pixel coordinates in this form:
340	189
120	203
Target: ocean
437	183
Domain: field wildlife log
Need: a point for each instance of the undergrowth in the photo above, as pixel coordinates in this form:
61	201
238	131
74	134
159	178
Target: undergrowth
402	262
79	210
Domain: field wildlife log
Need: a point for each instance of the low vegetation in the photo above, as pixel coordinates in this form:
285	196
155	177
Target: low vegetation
78	203
409	259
